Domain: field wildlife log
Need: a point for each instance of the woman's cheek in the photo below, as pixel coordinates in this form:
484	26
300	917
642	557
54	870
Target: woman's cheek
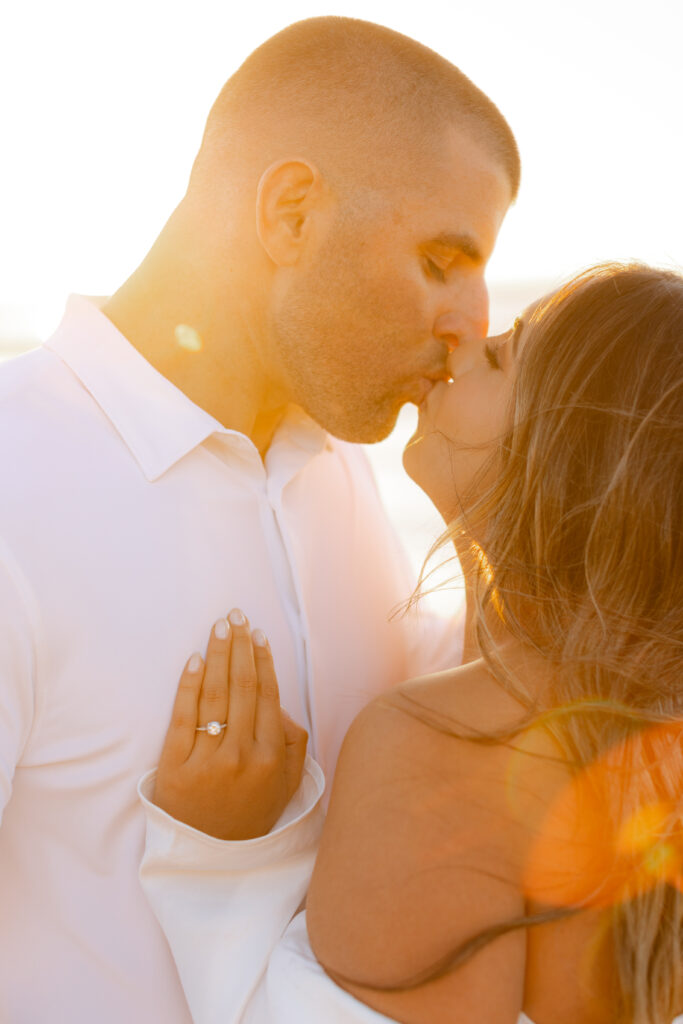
462	417
481	414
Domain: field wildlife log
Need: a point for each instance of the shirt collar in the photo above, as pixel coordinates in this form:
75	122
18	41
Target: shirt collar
158	423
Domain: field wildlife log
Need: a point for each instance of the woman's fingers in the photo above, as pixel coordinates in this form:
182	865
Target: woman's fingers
256	767
181	733
213	699
242	682
296	741
276	733
268	731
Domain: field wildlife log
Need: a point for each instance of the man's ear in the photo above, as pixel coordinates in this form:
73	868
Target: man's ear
289	193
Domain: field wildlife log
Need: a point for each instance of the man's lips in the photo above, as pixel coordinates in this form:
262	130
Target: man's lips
421	390
434	390
429	382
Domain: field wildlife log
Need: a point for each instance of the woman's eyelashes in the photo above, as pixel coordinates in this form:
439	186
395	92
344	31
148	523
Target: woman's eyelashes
435	270
492	355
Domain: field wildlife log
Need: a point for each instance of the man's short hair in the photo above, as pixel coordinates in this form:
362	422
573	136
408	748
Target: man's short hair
351	84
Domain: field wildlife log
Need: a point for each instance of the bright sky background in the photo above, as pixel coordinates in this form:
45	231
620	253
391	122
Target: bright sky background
103	106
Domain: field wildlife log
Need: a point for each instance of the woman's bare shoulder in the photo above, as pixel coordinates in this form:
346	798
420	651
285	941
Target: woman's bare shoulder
424	845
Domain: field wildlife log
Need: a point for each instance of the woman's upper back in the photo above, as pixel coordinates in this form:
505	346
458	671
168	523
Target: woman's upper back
427	846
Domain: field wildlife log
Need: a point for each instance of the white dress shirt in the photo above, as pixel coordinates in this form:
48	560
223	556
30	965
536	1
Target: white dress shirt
131	520
229	912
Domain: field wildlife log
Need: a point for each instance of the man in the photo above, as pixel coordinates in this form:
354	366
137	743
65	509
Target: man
184	450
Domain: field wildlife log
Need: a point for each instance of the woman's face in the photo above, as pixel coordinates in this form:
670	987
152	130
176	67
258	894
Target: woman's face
460	422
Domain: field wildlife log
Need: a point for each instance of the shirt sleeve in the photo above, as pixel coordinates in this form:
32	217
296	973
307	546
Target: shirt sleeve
223	906
296	990
17	670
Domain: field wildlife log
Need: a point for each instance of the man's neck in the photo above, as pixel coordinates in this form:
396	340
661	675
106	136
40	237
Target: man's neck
201	345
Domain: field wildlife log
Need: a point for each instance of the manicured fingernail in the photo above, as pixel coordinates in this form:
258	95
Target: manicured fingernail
237	617
221	629
259	638
195	663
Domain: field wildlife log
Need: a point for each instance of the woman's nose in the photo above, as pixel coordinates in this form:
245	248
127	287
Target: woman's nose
465	357
465	317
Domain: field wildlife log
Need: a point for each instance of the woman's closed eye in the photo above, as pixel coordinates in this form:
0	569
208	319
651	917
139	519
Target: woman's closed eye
492	356
435	271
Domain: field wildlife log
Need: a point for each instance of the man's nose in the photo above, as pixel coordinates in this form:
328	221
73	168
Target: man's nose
465	317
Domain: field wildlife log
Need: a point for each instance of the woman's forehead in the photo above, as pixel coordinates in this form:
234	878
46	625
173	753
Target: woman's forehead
519	331
537	304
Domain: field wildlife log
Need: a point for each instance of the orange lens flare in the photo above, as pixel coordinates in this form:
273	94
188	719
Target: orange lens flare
616	829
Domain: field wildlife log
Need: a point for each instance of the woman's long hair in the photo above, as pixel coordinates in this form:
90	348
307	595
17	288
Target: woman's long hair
580	544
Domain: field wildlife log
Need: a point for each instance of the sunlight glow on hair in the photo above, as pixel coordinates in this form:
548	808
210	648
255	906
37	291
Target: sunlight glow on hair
486	572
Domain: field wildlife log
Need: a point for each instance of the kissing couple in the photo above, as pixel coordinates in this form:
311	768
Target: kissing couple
504	837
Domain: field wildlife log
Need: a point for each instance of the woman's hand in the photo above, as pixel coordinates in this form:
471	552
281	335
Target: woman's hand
234	784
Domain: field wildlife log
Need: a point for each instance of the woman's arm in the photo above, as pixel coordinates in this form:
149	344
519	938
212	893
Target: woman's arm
421	852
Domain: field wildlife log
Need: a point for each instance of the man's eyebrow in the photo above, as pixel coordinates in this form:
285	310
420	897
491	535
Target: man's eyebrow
463	243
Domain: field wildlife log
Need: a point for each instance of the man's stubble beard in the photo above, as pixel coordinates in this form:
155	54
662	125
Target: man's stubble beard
328	378
342	406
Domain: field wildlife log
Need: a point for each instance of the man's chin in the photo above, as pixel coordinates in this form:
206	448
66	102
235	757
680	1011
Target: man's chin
378	434
362	429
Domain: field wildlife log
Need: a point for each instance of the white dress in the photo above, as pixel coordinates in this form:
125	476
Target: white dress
229	912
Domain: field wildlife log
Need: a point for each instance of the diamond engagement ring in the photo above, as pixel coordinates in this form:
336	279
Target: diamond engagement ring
213	728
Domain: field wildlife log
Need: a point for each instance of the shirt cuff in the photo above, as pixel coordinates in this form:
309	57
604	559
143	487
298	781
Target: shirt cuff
297	829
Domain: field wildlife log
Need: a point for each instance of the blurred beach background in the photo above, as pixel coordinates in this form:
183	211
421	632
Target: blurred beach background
103	108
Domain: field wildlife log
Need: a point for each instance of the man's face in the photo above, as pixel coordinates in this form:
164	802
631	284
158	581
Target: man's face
366	322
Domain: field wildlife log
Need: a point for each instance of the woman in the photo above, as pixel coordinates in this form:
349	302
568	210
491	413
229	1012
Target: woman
505	839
